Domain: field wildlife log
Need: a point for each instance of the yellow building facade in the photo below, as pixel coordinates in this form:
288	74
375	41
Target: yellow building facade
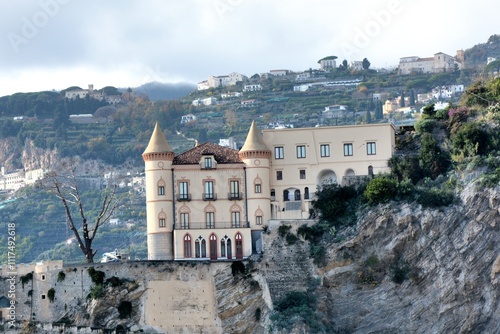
211	202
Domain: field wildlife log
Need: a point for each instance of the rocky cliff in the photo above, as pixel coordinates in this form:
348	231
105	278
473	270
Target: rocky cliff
406	270
418	271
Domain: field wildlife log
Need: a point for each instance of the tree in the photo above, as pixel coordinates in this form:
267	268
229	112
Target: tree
366	64
412	98
344	65
65	187
368	117
402	101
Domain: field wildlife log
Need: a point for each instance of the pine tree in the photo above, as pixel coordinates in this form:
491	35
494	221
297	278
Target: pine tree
412	98
368	117
402	102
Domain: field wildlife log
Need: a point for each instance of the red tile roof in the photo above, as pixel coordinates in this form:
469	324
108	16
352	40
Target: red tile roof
223	155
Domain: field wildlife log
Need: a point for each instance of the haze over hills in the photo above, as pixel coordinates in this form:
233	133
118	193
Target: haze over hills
157	91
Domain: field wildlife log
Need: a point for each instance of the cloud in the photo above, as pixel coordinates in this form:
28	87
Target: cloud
125	42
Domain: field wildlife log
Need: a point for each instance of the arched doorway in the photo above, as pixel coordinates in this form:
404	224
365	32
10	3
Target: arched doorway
327	177
213	247
239	246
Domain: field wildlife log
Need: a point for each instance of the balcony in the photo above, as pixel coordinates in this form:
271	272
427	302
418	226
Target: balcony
212	225
209	196
183	197
234	196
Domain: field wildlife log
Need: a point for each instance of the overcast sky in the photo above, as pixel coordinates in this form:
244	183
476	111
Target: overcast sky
54	44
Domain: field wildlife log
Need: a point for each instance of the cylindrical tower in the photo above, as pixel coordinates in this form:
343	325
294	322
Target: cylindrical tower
158	158
256	156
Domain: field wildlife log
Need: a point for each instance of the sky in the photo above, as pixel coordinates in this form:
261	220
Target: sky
55	44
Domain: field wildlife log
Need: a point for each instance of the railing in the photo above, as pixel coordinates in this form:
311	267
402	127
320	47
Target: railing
183	197
209	196
212	225
234	196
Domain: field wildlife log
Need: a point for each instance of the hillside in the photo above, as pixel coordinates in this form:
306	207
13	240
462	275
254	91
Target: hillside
477	55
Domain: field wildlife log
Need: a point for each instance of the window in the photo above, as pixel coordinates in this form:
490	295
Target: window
297	195
210	219
279	175
324	150
208	162
183	191
371	148
225	247
239	246
348	149
161	190
209	190
162	222
258	220
184	221
306	193
43	277
302	174
213	247
258	188
278	152
235	219
187	246
301	151
200	247
234	190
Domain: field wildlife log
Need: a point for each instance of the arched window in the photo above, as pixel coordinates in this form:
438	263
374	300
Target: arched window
162	219
187	246
370	170
213	247
297	195
285	195
239	245
306	193
200	247
225	247
235	216
161	187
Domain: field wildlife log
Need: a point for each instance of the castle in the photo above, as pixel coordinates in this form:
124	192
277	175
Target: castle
213	202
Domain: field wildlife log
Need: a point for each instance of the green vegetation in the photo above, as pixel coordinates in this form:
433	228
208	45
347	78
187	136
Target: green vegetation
51	294
297	307
61	276
96	276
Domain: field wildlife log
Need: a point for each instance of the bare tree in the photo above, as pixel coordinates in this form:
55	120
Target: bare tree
65	187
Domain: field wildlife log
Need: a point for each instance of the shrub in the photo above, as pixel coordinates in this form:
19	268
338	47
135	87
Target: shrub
434	197
470	139
318	254
26	278
431	158
291	238
371	271
405	167
424	125
96	291
334	201
311	233
51	294
61	276
258	313
381	190
96	276
400	271
283	230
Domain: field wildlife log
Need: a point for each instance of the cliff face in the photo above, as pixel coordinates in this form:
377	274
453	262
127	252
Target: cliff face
419	271
407	270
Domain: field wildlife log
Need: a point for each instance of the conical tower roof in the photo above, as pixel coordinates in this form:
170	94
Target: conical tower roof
158	143
254	141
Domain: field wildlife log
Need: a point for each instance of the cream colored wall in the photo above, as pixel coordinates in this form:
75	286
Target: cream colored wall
314	164
154	202
219	233
188	311
221	176
258	169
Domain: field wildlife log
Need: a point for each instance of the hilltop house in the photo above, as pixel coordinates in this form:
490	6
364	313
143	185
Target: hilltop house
440	62
212	202
221	81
